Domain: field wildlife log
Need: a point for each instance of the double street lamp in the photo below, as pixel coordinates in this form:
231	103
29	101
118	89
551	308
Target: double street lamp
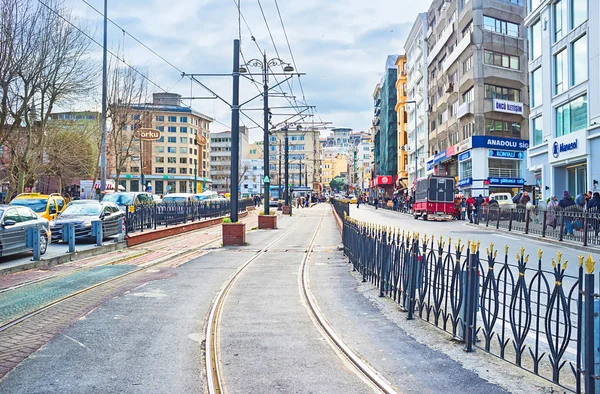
264	65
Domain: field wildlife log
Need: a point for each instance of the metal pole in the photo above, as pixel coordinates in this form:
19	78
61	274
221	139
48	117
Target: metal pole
300	175
196	175
286	171
235	132
279	178
266	170
141	188
103	115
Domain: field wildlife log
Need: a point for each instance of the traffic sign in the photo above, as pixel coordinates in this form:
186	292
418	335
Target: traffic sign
266	179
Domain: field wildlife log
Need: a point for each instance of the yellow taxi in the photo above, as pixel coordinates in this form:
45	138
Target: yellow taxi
353	199
47	206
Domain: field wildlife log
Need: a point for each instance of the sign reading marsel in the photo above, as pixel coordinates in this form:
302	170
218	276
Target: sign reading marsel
567	147
505	154
509	107
482	141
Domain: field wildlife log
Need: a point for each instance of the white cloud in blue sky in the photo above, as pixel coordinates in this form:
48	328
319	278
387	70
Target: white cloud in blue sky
340	45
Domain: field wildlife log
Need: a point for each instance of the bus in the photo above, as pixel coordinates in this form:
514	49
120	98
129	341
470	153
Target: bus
434	198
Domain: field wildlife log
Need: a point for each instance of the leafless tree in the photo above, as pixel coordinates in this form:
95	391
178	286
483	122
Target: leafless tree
43	63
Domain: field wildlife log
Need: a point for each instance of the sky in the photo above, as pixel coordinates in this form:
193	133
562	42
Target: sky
341	46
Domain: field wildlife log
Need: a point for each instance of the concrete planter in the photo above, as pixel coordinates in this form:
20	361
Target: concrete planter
286	209
234	234
267	222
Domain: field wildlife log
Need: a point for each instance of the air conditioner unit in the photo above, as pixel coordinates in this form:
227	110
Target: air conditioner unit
450	88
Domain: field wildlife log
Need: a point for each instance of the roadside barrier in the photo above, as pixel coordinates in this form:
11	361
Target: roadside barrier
545	321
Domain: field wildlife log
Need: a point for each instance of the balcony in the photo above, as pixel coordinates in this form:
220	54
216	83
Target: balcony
460	48
463	110
504	173
440	44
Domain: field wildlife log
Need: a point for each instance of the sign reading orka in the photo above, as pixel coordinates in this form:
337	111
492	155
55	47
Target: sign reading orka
146	134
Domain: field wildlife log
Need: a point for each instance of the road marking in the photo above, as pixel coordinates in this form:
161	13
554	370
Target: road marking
76	341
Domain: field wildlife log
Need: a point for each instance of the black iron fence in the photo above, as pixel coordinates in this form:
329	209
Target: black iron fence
541	320
342	207
141	217
571	224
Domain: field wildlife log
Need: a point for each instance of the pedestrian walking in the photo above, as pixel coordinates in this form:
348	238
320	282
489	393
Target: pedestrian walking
463	208
299	202
593	206
551	212
376	203
470	207
564	204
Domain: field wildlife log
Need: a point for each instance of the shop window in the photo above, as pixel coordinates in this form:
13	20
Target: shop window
571	117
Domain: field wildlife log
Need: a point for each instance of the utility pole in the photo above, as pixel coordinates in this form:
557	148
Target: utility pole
279	178
103	115
266	179
235	133
300	175
196	175
286	194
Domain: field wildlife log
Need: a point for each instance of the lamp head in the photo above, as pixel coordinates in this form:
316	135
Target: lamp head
288	69
243	70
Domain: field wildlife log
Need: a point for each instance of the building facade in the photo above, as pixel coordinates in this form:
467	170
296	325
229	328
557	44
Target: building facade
388	121
401	87
251	177
416	86
178	158
477	87
220	158
564	67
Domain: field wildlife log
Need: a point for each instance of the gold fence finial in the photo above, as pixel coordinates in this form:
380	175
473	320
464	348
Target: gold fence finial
522	250
580	258
506	249
540	252
491	246
589	264
559	257
495	253
564	266
526	259
553	263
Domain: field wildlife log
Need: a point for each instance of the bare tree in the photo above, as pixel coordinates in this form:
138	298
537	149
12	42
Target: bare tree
43	63
127	93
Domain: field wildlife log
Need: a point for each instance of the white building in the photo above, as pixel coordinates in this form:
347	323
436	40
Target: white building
564	70
220	158
416	86
251	172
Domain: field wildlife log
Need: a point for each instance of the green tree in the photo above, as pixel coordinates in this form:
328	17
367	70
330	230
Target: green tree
339	183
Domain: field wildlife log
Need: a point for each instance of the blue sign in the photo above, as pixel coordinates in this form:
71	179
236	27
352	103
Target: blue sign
439	157
464	156
430	165
483	141
558	148
506	181
465	182
506	154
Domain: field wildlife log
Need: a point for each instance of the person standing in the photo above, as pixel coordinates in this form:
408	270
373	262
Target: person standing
564	204
551	212
463	208
470	207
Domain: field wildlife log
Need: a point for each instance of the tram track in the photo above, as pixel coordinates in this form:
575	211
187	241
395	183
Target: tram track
215	383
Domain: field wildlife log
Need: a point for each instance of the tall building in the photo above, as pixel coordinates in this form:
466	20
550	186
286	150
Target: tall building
251	173
416	90
364	152
564	152
178	158
401	87
477	86
220	158
304	157
255	151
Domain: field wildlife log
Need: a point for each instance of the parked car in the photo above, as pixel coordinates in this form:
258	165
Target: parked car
15	223
209	195
504	200
352	199
180	198
157	199
47	206
83	213
122	199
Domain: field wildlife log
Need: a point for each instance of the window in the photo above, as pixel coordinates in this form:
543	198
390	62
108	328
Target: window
161	139
560	71
159	170
172	129
171	160
467	130
183	170
183	119
536	40
469	95
183	140
499	92
160	128
536	88
579	67
183	160
171	150
453	138
495	127
183	129
172	118
560	19
172	170
252	151
160	149
160	118
468	64
135	117
160	159
501	60
537	137
500	26
272	138
571	117
183	150
579	12
172	140
468	29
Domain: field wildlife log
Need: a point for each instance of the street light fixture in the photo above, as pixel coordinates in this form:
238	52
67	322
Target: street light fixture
264	65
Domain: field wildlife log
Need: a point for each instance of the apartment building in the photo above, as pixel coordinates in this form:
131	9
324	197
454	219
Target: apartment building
401	89
416	92
178	158
220	158
564	64
251	174
364	156
304	157
477	87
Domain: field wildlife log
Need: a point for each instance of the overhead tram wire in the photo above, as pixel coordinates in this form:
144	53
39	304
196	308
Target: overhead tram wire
101	46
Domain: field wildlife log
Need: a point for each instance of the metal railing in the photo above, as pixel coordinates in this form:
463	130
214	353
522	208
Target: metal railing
341	207
540	320
141	217
504	173
572	224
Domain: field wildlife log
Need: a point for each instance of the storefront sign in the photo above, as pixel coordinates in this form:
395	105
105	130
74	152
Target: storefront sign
465	182
439	157
482	141
506	154
506	181
464	156
384	180
465	145
430	165
567	147
509	107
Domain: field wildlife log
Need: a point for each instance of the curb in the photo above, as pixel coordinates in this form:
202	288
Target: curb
65	258
539	238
